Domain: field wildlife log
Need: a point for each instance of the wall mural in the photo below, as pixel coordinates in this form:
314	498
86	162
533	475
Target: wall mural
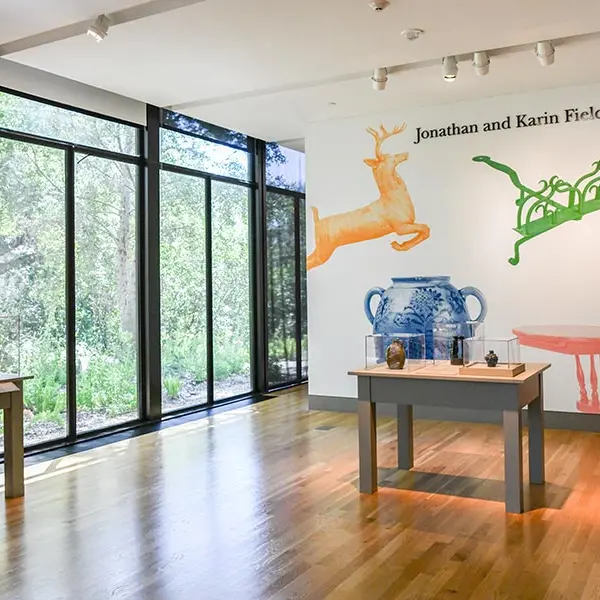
418	304
577	341
539	211
539	198
392	212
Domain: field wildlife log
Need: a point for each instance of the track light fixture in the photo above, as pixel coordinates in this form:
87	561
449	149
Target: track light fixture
481	63
545	53
449	68
99	28
379	78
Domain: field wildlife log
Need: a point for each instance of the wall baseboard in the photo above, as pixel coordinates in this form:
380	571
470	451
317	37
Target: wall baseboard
553	419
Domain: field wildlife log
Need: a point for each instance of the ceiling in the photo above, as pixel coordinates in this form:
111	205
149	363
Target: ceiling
269	67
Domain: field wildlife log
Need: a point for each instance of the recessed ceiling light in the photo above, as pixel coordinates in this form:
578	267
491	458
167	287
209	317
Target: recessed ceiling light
379	5
99	28
449	68
411	34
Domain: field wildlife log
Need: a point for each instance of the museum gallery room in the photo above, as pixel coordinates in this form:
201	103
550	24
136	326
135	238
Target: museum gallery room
299	299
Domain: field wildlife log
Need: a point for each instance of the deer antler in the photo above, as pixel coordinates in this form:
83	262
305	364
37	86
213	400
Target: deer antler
383	134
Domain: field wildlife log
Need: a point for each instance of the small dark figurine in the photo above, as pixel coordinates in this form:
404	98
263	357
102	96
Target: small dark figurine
491	358
456	354
395	355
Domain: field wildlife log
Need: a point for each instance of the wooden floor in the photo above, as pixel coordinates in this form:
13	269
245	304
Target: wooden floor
262	503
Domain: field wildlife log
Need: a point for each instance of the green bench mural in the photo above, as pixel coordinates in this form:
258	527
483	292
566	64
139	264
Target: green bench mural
556	202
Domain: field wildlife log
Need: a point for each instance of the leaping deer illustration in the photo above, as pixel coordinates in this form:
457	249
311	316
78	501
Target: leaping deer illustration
392	212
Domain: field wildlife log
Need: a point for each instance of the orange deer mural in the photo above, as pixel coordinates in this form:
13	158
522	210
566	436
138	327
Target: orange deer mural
392	212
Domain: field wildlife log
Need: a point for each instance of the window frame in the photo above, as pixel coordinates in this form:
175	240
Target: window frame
70	149
251	186
147	204
298	198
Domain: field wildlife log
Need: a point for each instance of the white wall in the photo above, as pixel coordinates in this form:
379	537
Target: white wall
59	89
471	212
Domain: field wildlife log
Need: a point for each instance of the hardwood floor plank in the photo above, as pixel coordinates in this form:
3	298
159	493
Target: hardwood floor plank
262	503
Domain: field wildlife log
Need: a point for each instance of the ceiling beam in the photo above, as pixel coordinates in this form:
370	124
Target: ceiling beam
127	15
391	69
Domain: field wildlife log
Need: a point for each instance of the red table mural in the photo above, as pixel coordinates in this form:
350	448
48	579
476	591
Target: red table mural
577	340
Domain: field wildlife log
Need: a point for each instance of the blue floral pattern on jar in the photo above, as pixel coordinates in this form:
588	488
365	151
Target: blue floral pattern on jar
419	305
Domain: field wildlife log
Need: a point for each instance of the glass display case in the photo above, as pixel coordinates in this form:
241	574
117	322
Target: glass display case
447	340
493	356
474	329
10	344
413	349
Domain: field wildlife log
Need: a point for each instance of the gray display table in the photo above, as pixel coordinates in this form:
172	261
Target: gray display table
441	385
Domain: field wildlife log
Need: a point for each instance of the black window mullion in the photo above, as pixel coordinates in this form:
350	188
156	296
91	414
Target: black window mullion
298	290
70	293
253	306
140	275
252	241
259	256
153	397
210	364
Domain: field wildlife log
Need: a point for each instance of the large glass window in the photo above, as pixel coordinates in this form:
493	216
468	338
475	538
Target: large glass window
46	120
32	281
183	290
202	155
207	131
232	327
39	193
105	291
287	343
281	289
73	261
206	265
285	168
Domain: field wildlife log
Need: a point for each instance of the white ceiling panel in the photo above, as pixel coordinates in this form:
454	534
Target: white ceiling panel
267	67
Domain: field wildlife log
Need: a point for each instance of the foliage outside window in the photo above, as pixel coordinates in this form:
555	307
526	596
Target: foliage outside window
202	155
183	249
216	185
207	131
286	266
32	278
105	291
33	213
48	121
285	168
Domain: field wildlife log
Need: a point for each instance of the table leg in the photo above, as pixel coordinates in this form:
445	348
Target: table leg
367	438
513	460
535	412
13	445
584	401
595	408
405	436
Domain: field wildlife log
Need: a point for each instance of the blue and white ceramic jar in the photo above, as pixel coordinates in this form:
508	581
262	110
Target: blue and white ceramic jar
420	304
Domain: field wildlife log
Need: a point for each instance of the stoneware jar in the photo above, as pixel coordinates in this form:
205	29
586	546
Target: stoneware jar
416	304
395	355
491	358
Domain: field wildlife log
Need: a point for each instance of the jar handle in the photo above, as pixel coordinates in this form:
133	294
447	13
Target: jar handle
376	291
473	291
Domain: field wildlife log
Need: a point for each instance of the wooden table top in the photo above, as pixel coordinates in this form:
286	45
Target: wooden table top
565	339
446	371
10	377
